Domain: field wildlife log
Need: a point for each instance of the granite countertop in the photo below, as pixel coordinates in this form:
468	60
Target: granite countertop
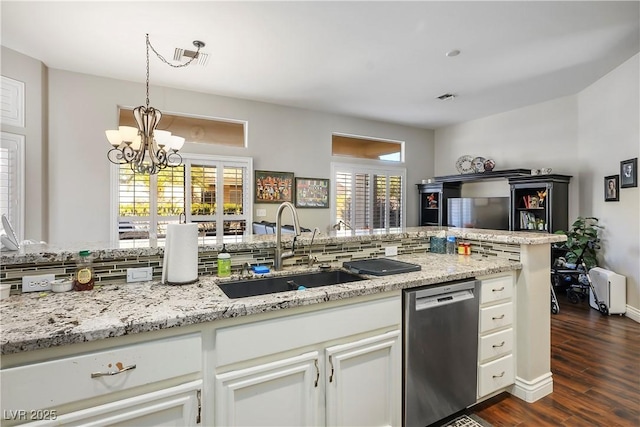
39	253
41	320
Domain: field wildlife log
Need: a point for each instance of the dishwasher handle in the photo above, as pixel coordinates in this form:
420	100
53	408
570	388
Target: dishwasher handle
442	295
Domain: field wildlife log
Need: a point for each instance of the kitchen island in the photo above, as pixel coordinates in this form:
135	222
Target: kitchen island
37	328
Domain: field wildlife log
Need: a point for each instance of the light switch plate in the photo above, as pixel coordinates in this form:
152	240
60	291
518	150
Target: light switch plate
142	274
391	251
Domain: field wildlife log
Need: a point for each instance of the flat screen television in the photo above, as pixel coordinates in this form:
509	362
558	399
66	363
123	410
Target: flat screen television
479	212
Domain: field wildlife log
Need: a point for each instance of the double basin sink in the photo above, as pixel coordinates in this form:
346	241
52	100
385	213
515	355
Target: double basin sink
270	285
292	282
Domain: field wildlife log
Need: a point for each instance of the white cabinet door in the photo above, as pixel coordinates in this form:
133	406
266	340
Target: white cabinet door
280	393
172	407
363	381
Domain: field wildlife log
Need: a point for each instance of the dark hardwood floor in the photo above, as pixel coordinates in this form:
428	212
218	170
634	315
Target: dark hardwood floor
595	361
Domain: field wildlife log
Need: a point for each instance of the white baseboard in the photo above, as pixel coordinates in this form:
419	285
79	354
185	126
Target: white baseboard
633	313
530	391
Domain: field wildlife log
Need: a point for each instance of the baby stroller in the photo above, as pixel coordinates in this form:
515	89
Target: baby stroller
574	278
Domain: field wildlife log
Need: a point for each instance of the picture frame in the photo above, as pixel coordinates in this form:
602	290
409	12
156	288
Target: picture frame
273	187
312	193
612	188
629	173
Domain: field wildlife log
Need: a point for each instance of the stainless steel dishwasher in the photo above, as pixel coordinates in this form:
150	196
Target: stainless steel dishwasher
440	342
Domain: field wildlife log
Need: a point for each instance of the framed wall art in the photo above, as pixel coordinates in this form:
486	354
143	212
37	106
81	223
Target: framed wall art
273	187
312	193
629	173
611	188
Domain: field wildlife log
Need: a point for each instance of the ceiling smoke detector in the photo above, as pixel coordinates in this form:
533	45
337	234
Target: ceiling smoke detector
446	96
201	58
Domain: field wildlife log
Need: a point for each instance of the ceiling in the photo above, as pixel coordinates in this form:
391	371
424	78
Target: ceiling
372	59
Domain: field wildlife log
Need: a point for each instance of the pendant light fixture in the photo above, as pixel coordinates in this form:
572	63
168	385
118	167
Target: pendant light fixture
147	149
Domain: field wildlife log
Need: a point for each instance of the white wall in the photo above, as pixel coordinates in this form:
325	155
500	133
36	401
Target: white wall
609	132
584	135
533	137
81	107
33	74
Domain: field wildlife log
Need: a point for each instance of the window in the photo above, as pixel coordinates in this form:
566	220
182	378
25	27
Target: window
366	148
211	191
368	198
12	181
199	130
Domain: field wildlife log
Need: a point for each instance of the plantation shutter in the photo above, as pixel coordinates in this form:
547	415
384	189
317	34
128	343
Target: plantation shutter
366	200
12	180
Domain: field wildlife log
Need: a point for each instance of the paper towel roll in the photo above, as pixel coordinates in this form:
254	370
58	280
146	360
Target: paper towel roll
180	263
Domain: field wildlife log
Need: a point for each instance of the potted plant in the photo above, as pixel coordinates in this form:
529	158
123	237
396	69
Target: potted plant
582	236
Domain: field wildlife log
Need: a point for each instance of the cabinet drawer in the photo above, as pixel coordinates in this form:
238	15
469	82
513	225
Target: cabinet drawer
56	382
496	344
496	289
495	375
496	316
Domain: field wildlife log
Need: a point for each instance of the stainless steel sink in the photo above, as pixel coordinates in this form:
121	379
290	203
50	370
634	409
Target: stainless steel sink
270	285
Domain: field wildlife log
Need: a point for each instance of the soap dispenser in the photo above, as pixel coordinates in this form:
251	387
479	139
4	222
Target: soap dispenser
224	262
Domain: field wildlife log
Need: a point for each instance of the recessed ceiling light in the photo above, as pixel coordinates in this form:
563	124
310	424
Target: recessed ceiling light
454	52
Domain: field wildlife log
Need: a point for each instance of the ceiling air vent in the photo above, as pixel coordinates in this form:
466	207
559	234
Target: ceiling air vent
446	96
185	55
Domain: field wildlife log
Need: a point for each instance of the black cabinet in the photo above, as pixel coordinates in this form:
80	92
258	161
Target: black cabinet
539	203
433	201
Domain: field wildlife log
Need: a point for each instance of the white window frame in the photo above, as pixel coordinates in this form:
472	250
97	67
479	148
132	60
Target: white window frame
16	208
371	170
198	159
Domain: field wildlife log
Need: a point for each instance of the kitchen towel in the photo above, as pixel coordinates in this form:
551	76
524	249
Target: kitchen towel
180	263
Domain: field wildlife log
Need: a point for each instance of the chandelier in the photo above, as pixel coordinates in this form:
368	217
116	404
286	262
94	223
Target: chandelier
148	150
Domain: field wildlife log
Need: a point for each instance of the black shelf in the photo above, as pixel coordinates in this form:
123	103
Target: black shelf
552	216
441	192
484	176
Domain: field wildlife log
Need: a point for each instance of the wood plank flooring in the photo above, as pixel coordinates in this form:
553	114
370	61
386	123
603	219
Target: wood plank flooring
595	361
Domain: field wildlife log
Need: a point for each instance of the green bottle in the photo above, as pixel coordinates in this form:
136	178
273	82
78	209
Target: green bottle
224	262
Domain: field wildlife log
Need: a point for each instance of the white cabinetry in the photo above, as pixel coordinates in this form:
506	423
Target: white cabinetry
280	393
362	387
339	366
496	339
141	383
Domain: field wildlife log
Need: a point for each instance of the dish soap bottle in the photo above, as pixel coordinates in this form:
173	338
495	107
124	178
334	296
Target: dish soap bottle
224	262
85	276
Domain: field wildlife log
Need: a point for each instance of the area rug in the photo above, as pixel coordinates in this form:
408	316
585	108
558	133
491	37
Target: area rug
470	420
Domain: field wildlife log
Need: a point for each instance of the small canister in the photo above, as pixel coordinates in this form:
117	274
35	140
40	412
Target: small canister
467	248
461	249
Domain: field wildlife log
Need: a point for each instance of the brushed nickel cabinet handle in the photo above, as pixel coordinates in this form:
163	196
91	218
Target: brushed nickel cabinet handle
498	345
499	376
498	318
108	374
317	372
498	290
331	376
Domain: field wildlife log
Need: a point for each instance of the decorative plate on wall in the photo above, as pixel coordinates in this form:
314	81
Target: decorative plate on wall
465	164
478	164
489	165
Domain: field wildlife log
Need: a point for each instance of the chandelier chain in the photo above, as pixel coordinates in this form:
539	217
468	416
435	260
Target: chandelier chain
162	58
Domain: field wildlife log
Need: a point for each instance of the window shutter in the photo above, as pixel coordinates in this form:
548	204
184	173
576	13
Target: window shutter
367	200
12	180
165	195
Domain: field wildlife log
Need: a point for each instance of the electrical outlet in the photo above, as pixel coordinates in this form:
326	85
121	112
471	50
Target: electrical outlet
261	213
142	274
41	282
391	251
